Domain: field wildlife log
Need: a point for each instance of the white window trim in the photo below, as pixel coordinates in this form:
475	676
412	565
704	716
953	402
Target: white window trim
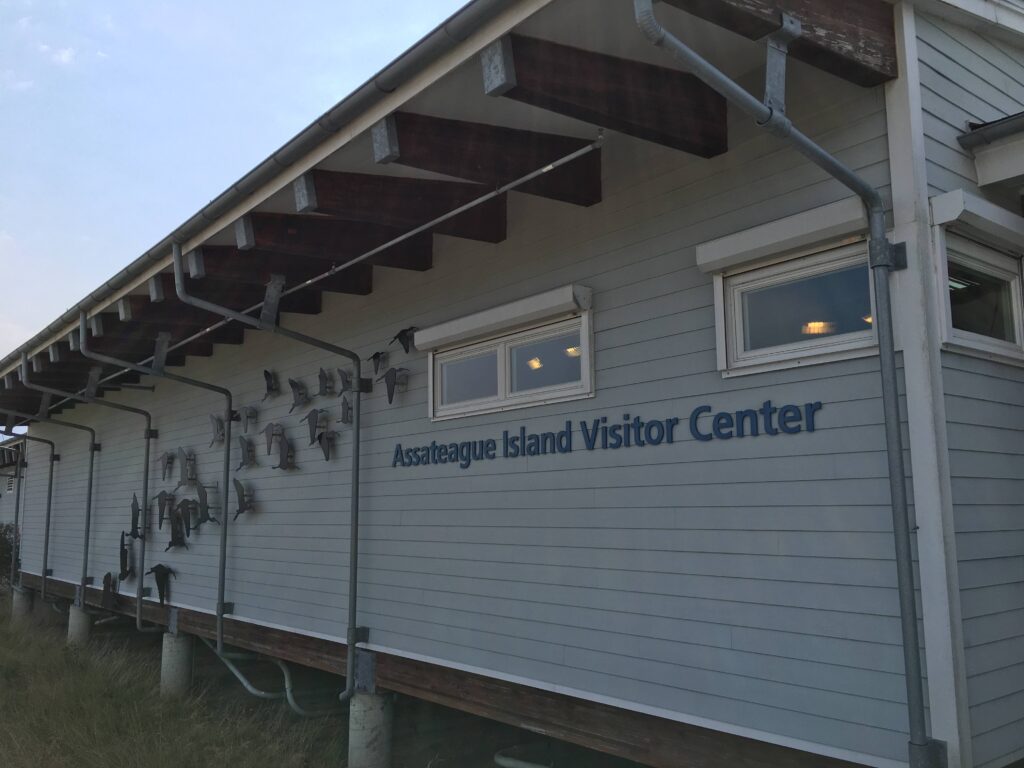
993	262
728	314
506	400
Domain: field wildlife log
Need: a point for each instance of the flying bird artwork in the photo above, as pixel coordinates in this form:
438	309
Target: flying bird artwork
404	337
394	378
380	360
270	432
245	499
346	411
285	454
326	383
126	565
202	509
186	469
247	453
162	574
181	524
299	394
272	389
165	506
166	465
136	514
217	429
248	415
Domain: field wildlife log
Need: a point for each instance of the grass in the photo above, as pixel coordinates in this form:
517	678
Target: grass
100	708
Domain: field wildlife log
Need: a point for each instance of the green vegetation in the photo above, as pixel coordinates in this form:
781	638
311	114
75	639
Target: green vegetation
99	708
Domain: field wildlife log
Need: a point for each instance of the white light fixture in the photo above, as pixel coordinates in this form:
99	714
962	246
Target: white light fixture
534	364
817	328
572	351
868	319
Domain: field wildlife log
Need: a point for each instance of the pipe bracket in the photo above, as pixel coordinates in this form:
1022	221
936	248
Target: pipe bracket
775	66
891	256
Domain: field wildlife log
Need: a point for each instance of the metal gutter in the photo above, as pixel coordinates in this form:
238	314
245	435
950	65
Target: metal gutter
883	258
17	509
442	39
149	434
987	133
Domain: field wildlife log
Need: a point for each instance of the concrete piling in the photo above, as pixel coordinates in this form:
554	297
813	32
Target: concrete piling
79	626
176	659
21	605
369	730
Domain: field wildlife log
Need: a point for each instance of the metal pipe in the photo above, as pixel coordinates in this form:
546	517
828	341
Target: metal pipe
83	332
93	448
46	525
19	474
26	380
881	257
260	324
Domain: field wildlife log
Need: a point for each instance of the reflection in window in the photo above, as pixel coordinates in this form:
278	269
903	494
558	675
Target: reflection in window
546	363
980	303
469	378
806	309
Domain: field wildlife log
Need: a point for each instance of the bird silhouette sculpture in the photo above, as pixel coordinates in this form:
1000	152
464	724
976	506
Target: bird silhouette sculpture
285	454
217	429
380	360
247	452
165	506
299	394
270	432
186	469
166	465
326	383
346	411
202	509
344	381
248	415
317	421
162	574
136	514
109	590
394	378
245	500
126	564
181	524
404	337
270	383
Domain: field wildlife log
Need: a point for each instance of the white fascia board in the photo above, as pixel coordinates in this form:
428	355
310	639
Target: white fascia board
1001	160
569	299
999	18
1003	228
803	230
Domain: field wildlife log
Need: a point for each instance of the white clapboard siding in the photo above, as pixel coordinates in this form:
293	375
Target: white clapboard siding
750	582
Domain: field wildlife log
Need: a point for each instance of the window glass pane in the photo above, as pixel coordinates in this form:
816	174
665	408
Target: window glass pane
469	378
546	363
980	303
807	309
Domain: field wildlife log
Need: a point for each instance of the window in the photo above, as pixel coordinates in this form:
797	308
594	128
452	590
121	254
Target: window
818	305
540	364
984	298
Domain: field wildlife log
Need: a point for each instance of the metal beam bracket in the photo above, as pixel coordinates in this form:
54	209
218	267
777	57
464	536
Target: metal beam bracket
55	457
931	754
49	571
89	581
227	608
775	66
151	434
892	256
365	670
271	300
95	447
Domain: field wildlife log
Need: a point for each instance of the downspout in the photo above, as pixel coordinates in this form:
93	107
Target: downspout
149	434
268	322
19	475
158	371
49	507
93	448
883	258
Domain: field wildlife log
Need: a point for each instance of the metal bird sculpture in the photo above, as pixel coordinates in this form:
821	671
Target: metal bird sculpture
136	514
186	469
247	453
180	524
285	454
393	378
248	414
380	359
202	509
217	427
299	394
344	381
326	383
162	574
245	500
326	440
404	337
109	590
270	432
270	382
166	465
346	411
317	420
126	565
165	505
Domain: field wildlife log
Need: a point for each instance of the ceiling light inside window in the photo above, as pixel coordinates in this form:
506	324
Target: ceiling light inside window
534	364
817	328
572	351
868	319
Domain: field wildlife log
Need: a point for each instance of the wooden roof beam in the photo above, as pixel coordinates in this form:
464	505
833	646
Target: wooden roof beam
402	203
852	39
489	154
233	294
227	264
649	102
331	240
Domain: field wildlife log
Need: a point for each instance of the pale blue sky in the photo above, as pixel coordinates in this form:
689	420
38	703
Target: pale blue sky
119	120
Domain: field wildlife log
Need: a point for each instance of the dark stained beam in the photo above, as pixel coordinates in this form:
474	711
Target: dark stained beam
402	203
658	104
227	264
333	240
852	39
489	154
234	295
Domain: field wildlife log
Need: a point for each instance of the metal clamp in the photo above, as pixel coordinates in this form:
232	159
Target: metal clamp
891	256
775	65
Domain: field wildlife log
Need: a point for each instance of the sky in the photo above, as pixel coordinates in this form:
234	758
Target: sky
120	119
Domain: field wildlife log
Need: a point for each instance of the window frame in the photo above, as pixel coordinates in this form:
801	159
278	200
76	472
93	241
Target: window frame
731	285
506	399
993	262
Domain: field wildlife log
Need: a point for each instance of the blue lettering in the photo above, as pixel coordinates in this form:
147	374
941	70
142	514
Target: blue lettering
398	458
696	414
789	419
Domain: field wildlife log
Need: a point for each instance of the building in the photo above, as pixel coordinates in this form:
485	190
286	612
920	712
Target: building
624	472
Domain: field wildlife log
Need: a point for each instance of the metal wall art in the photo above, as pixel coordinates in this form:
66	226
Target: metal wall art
180	520
162	574
319	431
346	411
202	509
165	506
127	571
167	465
246	502
272	388
248	415
247	453
136	515
404	337
186	469
285	450
299	394
326	383
217	429
394	378
380	361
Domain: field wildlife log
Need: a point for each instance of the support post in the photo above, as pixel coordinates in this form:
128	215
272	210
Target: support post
370	715
79	626
176	660
21	605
